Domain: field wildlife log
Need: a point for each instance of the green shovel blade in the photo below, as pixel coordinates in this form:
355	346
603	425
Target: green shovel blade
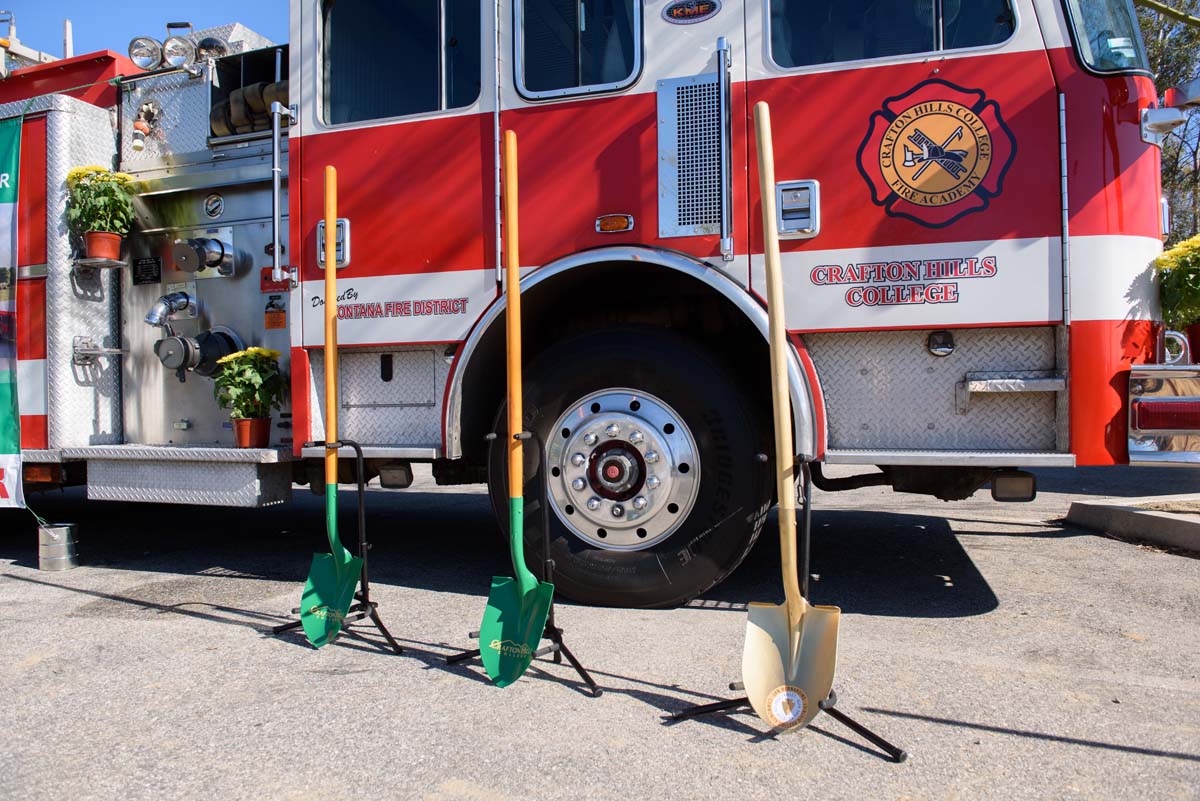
332	579
328	594
513	624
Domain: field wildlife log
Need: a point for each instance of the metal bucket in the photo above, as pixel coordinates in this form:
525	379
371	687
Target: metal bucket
56	547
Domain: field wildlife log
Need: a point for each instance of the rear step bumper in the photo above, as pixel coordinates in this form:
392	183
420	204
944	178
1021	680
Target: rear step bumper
208	476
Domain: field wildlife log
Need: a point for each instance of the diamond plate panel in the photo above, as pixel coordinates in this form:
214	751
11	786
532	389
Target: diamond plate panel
183	125
181	134
83	402
883	390
200	483
403	412
241	39
180	453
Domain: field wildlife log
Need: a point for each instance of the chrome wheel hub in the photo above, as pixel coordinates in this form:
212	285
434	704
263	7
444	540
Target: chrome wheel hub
624	469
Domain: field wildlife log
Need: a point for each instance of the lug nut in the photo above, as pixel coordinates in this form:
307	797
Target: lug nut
578	459
653	482
618	510
613	430
593	504
636	437
651	457
579	485
639	503
590	439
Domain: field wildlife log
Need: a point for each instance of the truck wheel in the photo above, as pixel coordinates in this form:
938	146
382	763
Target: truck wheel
656	493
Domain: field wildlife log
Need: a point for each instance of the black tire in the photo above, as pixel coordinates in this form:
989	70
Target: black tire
735	489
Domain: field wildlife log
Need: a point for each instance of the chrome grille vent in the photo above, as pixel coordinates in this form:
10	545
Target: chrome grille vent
689	165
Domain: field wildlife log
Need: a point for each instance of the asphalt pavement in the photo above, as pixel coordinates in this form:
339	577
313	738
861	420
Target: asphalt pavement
1012	656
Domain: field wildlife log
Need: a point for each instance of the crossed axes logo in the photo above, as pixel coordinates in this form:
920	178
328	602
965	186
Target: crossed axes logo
936	153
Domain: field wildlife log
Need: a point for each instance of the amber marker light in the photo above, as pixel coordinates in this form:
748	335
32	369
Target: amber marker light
614	223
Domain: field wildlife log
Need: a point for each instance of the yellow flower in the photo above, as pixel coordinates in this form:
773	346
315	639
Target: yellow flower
231	357
265	353
77	174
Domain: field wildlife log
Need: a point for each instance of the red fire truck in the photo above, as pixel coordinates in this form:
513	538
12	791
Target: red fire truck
970	206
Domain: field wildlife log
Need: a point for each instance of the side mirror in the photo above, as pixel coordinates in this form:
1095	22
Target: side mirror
1186	96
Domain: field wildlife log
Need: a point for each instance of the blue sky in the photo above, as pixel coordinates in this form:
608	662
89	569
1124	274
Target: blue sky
101	25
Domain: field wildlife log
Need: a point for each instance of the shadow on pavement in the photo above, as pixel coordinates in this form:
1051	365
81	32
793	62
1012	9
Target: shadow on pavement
865	562
1129	749
913	566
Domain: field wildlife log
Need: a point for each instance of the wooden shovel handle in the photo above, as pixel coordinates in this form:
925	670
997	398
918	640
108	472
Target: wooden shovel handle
331	360
512	296
781	401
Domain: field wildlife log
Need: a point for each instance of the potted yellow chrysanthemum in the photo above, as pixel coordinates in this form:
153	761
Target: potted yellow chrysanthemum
250	385
100	208
1179	270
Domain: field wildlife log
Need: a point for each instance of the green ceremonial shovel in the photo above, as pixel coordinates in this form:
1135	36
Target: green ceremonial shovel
333	576
515	618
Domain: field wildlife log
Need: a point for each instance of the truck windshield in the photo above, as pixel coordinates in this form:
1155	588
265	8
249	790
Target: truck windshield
1107	35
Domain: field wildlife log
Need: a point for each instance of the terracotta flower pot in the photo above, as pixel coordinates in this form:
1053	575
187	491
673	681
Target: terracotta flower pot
103	245
252	432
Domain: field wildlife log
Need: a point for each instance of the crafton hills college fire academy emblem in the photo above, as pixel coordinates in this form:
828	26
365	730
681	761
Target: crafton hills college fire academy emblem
936	153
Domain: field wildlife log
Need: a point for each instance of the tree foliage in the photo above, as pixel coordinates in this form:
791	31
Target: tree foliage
1174	51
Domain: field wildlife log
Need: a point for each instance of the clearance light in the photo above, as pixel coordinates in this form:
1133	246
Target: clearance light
614	223
1166	415
146	53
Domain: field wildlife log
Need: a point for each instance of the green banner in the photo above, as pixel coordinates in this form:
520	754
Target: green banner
10	415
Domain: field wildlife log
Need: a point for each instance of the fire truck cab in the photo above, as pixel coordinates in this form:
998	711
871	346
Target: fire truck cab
970	206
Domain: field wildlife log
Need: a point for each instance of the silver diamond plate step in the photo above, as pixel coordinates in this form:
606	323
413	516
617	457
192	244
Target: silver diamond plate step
204	476
180	453
918	458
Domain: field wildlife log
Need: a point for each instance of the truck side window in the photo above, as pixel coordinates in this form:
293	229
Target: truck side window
808	32
389	59
577	46
1107	35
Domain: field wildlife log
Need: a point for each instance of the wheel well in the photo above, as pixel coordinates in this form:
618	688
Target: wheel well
606	295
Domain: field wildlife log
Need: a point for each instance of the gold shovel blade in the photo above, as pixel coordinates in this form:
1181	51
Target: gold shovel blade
788	670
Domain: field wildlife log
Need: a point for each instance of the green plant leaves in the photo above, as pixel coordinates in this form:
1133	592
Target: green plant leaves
99	200
250	384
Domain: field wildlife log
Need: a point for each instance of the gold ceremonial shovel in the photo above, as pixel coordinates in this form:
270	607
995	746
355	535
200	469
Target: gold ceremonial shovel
790	654
791	650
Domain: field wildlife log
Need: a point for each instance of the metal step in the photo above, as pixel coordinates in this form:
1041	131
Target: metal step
1006	381
922	458
207	476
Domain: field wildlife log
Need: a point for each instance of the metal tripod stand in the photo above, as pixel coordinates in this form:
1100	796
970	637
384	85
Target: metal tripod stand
363	607
828	704
552	632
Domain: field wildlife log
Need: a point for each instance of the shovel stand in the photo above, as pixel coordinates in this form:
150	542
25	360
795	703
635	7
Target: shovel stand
897	755
552	632
363	607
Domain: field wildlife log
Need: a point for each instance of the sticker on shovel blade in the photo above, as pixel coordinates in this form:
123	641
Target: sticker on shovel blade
786	706
510	648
